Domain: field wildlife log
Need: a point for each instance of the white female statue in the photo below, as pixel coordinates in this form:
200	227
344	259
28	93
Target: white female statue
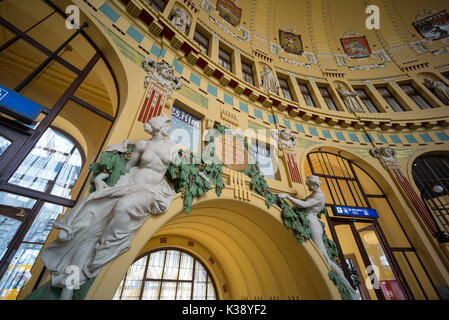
349	99
269	83
441	90
314	205
102	226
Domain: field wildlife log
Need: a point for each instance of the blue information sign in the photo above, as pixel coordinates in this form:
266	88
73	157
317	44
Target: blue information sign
17	106
355	212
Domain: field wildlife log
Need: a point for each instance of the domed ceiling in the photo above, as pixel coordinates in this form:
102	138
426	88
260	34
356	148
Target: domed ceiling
324	26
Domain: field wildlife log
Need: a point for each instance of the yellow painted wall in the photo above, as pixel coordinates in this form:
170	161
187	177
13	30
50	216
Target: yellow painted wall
250	266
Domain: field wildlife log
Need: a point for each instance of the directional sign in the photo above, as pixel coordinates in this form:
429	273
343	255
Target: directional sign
18	106
3	93
355	212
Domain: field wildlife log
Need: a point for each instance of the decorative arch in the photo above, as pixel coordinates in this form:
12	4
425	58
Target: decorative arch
404	235
259	257
375	171
430	174
430	150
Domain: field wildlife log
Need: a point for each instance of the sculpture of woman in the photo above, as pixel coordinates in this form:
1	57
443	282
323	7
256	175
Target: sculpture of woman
180	18
441	90
102	226
314	205
349	99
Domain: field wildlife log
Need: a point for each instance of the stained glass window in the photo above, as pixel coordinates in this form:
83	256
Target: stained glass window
166	274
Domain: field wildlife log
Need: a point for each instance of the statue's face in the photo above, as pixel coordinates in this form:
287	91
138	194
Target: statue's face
387	152
166	72
165	128
312	186
313	183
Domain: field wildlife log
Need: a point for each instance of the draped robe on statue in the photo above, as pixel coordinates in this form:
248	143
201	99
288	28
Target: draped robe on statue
88	238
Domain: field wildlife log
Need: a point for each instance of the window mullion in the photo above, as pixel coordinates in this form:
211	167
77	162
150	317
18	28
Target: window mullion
52	183
193	279
123	286
144	276
162	276
177	276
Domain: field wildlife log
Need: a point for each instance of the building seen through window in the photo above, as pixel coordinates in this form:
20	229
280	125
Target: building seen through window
52	167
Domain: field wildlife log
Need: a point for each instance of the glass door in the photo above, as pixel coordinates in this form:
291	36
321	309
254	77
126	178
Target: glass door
381	265
367	261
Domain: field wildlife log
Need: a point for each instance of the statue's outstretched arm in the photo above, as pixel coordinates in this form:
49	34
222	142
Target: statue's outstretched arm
310	202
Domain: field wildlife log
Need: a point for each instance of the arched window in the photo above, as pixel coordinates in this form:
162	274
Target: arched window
431	175
364	241
53	165
167	274
42	169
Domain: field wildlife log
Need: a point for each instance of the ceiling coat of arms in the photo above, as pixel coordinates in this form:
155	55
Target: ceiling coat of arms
356	47
290	42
